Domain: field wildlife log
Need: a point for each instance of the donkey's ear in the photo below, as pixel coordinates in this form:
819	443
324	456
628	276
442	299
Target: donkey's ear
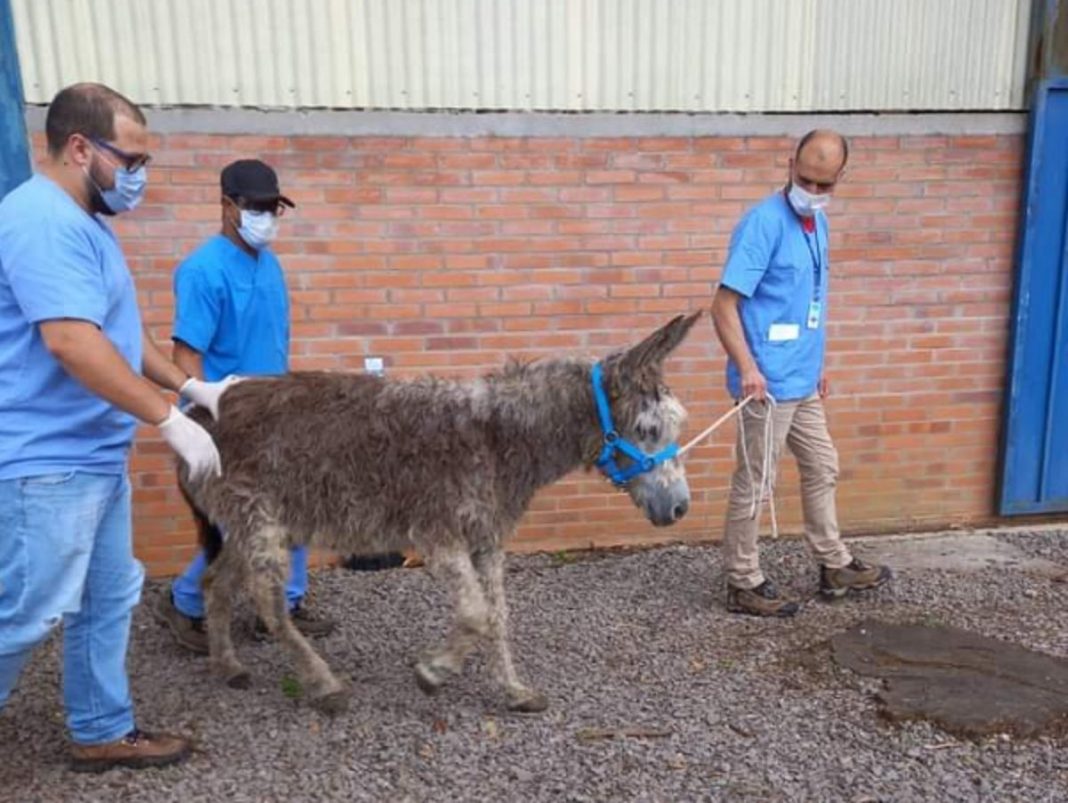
652	351
674	333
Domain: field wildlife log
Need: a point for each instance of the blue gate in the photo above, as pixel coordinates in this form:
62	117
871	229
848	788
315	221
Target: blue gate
1035	444
14	149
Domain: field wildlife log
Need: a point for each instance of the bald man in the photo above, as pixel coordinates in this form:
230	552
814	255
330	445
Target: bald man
770	312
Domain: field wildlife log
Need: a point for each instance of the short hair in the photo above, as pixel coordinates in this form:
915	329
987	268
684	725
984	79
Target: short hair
805	140
88	109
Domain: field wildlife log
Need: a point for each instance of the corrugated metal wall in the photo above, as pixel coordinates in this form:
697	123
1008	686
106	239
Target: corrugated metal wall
577	55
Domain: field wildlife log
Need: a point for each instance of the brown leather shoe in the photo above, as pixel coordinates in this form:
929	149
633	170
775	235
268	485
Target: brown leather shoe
135	750
857	576
311	625
188	631
764	600
306	622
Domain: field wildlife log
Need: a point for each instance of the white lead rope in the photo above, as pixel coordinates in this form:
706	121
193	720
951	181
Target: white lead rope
715	425
764	490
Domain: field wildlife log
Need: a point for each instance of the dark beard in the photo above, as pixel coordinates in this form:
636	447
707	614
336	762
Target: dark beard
96	200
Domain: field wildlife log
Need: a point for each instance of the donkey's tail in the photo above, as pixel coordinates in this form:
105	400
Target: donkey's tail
209	536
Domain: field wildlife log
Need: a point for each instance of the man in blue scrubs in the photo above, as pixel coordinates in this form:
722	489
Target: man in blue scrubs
770	312
77	374
232	317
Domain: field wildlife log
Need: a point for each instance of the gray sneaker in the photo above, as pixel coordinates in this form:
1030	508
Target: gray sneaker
188	631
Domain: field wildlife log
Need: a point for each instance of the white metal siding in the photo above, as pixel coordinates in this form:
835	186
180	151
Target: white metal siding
579	55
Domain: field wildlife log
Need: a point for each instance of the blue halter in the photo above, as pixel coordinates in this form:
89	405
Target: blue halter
641	462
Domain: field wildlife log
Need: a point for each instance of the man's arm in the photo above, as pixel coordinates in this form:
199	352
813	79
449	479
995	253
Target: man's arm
87	355
188	359
156	366
728	325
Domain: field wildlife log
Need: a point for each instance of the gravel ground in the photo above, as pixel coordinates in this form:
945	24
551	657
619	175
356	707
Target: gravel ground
714	706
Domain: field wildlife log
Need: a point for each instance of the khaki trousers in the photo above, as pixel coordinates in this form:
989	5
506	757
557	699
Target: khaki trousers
802	426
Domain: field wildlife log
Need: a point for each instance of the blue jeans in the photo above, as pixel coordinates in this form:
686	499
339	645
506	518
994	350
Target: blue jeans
189	598
66	555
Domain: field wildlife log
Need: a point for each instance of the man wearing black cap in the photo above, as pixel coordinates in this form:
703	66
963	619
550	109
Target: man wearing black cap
232	317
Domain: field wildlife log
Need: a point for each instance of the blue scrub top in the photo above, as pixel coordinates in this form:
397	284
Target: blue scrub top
781	272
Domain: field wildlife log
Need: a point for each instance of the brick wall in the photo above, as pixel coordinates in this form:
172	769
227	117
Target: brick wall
448	254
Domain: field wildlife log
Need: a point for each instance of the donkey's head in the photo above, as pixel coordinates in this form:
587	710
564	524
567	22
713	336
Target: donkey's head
640	423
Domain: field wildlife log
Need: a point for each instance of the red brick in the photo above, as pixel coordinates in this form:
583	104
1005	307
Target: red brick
498	177
638	193
610	177
555	177
451	310
352	195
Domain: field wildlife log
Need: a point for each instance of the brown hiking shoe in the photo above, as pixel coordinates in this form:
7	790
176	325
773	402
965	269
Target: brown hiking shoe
764	600
307	623
188	631
135	750
857	576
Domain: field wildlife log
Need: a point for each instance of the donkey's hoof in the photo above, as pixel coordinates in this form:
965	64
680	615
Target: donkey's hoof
332	703
528	702
428	680
239	680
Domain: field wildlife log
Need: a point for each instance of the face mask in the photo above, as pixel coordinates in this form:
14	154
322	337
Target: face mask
127	193
804	202
258	228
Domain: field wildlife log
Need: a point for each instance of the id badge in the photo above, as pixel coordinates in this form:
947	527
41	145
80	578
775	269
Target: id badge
814	315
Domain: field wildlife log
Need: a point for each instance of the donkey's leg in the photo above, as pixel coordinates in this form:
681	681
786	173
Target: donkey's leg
453	567
490	566
270	568
220	581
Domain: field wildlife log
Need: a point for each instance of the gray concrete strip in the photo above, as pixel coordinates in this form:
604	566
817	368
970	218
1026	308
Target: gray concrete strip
957	552
321	122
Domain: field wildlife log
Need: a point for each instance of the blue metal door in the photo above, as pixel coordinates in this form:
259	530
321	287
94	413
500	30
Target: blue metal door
1035	444
14	149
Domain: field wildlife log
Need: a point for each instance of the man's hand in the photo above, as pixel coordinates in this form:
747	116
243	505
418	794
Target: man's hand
207	394
754	384
192	443
825	387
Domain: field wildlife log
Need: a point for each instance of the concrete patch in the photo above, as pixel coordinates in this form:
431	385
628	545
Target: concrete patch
958	552
967	684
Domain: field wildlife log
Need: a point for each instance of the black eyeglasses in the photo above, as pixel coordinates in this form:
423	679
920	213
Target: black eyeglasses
131	161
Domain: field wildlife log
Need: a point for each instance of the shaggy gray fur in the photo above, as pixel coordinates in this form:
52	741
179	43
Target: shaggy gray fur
364	464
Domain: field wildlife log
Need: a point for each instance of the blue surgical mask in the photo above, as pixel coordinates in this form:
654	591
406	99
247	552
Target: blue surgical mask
127	193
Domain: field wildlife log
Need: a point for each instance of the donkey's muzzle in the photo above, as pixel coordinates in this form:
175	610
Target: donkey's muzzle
666	509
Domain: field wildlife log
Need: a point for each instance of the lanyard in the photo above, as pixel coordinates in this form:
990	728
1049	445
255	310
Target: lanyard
817	259
816	254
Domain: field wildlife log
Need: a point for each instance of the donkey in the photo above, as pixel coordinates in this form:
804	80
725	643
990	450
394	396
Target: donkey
364	464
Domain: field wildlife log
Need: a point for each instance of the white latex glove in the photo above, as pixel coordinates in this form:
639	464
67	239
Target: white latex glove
192	443
207	394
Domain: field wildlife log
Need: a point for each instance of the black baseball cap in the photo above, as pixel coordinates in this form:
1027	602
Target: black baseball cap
252	180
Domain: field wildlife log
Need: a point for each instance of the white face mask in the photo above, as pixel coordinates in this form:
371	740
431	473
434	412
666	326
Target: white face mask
804	202
258	228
